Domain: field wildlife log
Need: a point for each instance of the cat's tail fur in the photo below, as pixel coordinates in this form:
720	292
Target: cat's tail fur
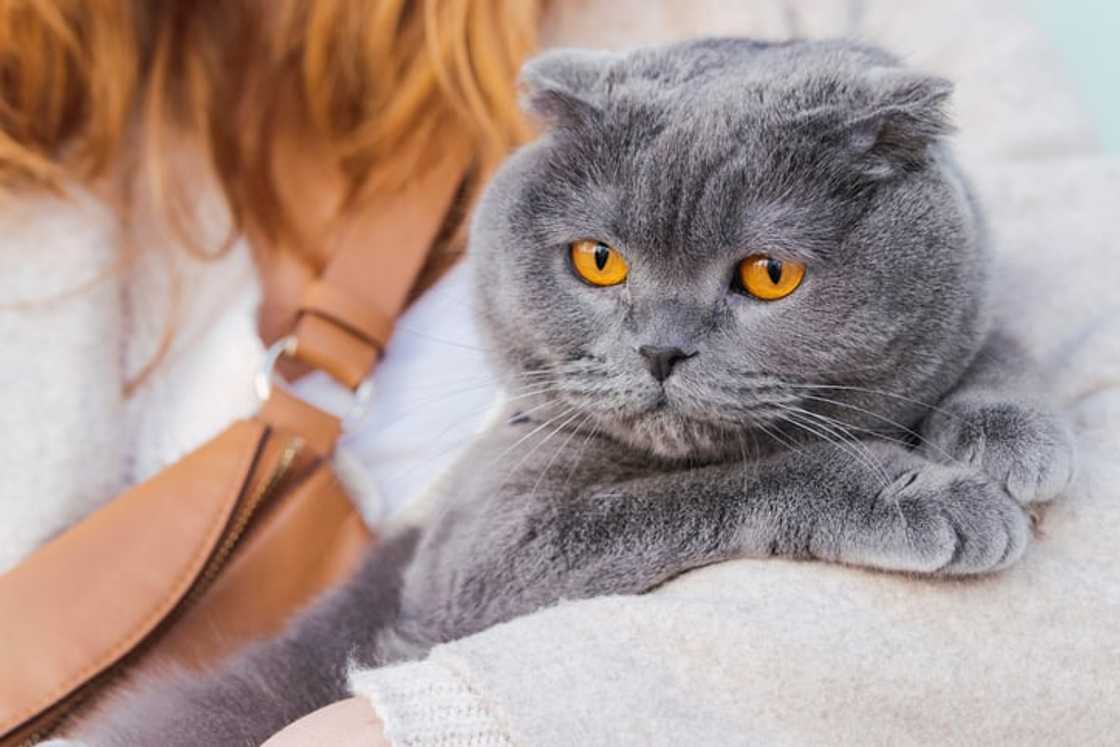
275	682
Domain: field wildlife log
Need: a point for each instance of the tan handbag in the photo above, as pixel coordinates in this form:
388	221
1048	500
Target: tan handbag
222	547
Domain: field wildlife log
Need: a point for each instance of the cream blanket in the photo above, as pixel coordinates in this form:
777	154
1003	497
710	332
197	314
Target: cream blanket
805	653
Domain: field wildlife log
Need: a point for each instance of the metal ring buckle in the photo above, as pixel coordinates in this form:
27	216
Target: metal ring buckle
262	382
266	377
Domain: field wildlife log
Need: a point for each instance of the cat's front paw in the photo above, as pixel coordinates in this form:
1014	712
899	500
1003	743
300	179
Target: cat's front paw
942	520
1028	451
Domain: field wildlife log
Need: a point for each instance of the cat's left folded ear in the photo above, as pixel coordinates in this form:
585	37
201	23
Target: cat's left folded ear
563	86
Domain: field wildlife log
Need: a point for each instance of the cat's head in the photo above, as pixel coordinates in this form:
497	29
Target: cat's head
723	242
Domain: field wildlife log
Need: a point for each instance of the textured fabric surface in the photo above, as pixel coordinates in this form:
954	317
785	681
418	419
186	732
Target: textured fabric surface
426	705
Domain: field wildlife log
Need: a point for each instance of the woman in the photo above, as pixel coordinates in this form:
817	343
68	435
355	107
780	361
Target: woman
205	148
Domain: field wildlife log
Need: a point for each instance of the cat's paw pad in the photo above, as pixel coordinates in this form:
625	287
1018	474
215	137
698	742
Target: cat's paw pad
1027	451
947	521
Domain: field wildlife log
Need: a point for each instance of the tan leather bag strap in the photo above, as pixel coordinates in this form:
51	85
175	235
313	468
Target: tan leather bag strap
347	315
109	585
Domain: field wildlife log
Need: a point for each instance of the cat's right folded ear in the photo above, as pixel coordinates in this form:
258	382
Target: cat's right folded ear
565	87
906	114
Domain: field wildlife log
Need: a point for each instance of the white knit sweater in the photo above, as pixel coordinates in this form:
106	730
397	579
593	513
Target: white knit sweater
747	652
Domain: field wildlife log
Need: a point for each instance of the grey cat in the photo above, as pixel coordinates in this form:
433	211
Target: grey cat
737	294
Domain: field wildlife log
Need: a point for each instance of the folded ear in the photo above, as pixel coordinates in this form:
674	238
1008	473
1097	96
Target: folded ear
562	86
906	114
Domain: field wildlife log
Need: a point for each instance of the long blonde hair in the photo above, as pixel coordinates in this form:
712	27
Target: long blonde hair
387	85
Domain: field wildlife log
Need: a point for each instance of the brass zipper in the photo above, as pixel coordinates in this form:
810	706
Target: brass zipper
237	524
235	530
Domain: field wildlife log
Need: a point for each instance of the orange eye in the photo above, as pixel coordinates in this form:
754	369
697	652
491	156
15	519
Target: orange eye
598	263
769	279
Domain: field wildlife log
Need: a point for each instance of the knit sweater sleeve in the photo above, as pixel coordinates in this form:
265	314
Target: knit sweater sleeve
787	653
433	702
580	673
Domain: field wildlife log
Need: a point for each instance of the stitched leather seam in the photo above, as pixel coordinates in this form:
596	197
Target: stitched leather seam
336	304
161	610
348	329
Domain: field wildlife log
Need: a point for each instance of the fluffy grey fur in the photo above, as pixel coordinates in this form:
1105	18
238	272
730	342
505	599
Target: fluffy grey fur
876	416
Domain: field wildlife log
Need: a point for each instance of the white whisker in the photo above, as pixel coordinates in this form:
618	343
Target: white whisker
865	390
840	438
884	419
571	411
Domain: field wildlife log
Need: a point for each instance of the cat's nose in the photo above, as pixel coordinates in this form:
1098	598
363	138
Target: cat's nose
660	360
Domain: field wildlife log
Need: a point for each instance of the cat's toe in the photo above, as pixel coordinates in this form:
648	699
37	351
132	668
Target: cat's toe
947	521
1027	451
991	526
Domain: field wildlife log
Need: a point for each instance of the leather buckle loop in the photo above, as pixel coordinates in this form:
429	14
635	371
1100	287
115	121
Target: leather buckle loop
266	378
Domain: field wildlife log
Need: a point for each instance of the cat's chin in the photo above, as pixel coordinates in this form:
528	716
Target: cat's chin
665	433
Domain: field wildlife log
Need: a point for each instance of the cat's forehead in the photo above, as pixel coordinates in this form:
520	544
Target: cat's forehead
739	74
716	100
710	159
722	143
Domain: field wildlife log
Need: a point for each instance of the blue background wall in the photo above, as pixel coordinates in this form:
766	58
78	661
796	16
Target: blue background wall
1087	32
